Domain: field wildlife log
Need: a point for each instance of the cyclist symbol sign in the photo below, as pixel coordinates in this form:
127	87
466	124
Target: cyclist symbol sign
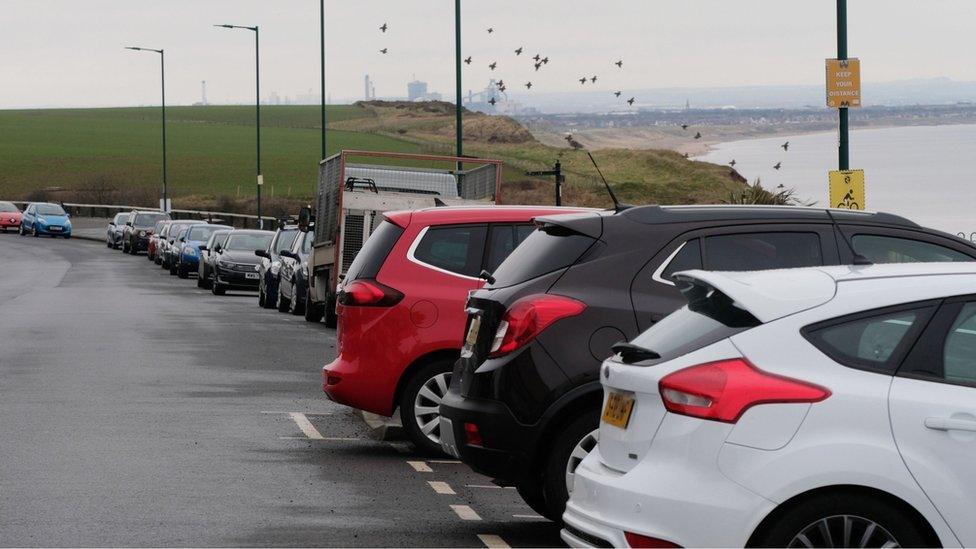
847	189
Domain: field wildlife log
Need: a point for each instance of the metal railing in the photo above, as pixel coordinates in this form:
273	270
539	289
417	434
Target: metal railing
240	221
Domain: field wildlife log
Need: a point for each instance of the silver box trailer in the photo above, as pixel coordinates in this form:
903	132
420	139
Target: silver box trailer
356	187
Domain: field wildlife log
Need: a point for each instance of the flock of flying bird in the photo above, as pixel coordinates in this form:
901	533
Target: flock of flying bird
539	61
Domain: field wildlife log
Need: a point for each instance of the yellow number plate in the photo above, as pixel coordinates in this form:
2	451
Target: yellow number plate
618	408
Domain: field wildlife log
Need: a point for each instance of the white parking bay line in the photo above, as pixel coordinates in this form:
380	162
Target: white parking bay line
420	466
492	541
465	513
305	425
527	516
441	487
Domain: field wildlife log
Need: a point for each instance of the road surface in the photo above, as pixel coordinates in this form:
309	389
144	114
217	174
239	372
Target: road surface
136	409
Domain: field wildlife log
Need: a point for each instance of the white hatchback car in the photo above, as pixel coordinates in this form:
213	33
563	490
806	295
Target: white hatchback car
821	407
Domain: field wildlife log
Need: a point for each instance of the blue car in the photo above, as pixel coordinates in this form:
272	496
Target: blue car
45	218
187	252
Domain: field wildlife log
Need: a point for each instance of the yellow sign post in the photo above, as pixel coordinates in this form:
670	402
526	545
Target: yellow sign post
847	189
844	83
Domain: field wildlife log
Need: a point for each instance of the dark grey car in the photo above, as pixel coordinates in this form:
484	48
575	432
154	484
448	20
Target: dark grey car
525	396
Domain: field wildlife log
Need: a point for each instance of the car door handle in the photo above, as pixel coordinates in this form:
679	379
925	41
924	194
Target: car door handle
950	424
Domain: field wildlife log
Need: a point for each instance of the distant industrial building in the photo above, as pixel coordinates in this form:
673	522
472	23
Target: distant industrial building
417	91
369	90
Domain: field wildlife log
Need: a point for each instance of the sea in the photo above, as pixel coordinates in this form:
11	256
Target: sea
924	173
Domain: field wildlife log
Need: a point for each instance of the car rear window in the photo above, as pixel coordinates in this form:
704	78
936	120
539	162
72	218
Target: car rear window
890	249
8	207
710	316
541	253
373	254
147	220
761	251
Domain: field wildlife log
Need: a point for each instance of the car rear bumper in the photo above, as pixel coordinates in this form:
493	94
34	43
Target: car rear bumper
508	444
7	223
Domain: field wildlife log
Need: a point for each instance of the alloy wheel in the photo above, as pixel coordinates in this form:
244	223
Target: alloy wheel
426	406
582	449
844	531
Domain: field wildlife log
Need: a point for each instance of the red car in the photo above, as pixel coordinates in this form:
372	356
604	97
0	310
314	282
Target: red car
9	216
401	308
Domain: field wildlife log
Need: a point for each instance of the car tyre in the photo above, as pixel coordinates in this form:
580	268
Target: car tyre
570	445
282	302
34	232
331	317
217	288
295	306
419	403
532	495
850	512
201	283
182	272
313	312
172	268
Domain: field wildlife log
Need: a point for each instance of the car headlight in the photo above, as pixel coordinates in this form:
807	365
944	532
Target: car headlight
42	220
192	252
257	268
225	264
275	267
142	233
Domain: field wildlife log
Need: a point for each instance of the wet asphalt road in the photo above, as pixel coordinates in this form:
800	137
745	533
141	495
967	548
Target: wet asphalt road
137	410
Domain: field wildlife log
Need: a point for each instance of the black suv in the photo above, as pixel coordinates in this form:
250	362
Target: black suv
525	396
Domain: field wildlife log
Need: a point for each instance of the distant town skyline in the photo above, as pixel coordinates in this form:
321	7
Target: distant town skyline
63	53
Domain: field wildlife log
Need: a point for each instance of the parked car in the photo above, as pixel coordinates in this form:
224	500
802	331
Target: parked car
169	243
9	216
524	402
40	218
138	228
822	407
158	242
187	255
269	267
113	233
236	266
293	275
208	256
154	239
406	288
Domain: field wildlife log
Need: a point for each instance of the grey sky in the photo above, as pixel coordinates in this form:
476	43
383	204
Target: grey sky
69	52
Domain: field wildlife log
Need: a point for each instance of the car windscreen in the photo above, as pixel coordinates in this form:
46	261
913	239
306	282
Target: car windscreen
203	232
159	226
220	238
147	220
541	253
121	218
285	240
248	242
373	254
49	209
307	243
710	316
7	207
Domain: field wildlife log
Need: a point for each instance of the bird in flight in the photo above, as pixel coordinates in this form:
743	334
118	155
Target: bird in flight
568	137
492	65
518	51
619	63
686	155
500	84
616	93
575	144
593	79
490	30
492	101
778	166
537	66
582	80
630	101
684	126
383	28
528	85
786	146
383	51
545	60
732	163
697	135
468	60
537	57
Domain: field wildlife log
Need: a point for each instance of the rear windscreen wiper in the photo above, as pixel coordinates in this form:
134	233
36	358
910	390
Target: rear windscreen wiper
630	353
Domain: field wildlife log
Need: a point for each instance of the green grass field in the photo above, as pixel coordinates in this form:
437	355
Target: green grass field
211	149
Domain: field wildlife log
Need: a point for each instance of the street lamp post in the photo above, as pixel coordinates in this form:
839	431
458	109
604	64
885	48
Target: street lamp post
162	71
844	146
257	106
322	66
457	80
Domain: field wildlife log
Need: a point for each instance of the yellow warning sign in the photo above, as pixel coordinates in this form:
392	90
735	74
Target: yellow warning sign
847	189
844	83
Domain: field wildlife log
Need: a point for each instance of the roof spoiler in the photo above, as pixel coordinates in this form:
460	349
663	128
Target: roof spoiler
585	223
767	295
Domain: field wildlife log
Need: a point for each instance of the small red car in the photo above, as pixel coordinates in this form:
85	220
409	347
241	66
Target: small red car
401	308
9	216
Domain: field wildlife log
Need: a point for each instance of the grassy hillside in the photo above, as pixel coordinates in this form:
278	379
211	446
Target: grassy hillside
114	154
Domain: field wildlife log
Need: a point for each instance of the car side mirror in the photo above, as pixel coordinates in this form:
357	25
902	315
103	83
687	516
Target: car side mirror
289	254
128	223
262	253
203	247
112	223
218	248
182	239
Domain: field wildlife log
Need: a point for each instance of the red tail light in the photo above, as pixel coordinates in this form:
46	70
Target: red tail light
637	540
724	390
528	317
472	435
368	293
